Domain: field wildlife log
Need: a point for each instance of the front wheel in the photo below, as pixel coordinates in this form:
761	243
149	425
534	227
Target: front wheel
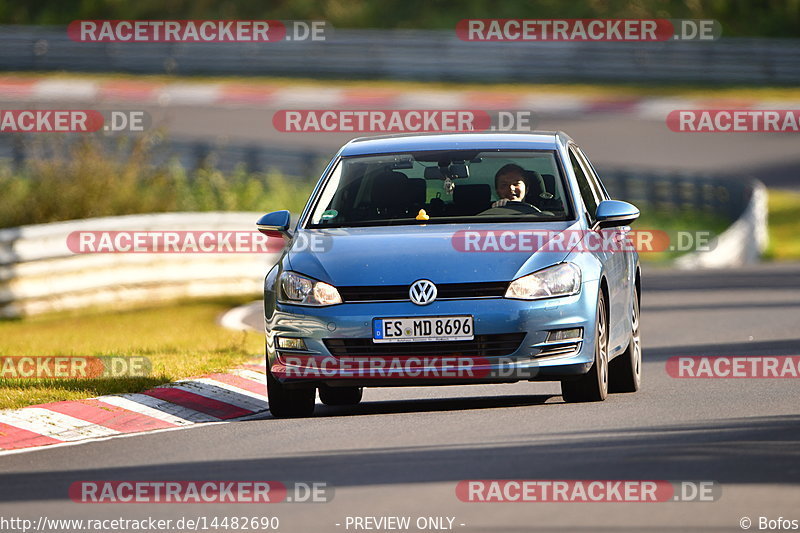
289	403
626	369
592	386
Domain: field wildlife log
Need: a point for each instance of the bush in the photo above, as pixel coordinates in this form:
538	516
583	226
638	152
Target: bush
85	179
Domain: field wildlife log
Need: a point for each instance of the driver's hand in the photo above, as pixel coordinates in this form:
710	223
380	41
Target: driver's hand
500	203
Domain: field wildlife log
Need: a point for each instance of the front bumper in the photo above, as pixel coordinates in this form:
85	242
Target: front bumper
533	359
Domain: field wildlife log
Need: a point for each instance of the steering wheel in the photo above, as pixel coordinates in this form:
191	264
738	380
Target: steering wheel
522	207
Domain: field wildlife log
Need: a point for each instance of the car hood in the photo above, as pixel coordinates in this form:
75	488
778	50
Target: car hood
400	255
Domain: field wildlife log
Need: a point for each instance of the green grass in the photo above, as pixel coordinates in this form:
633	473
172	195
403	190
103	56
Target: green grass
784	226
87	179
180	340
673	222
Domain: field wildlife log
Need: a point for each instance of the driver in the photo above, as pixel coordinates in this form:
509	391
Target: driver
510	184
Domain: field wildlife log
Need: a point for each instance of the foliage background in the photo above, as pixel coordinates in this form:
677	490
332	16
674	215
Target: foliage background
767	18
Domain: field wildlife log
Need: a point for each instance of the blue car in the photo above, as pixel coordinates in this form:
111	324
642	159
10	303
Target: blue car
452	259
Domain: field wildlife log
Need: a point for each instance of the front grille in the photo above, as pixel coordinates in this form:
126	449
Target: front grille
495	345
492	289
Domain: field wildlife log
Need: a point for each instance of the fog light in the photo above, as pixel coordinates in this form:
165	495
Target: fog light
559	335
289	343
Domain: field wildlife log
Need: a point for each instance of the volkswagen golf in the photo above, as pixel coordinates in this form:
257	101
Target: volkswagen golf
453	259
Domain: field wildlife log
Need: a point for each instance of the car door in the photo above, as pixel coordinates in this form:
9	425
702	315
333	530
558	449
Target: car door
619	267
590	198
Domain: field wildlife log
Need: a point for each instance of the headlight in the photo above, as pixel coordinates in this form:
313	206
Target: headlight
560	280
297	289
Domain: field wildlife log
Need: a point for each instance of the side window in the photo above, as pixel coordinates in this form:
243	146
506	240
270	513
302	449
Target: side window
588	195
594	181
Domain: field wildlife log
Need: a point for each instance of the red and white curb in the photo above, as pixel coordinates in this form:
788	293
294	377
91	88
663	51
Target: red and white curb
230	94
236	394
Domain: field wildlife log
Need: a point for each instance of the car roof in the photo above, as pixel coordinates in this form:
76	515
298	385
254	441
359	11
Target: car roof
536	140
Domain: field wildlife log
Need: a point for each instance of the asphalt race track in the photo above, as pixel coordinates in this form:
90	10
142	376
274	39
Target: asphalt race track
610	139
402	451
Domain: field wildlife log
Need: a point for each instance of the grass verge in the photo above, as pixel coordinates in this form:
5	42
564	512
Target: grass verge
690	223
784	226
180	340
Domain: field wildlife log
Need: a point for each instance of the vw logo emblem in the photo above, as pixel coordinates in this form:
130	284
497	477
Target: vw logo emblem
422	292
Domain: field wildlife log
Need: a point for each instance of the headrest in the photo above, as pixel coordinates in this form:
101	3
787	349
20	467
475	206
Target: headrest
474	194
417	189
535	183
390	189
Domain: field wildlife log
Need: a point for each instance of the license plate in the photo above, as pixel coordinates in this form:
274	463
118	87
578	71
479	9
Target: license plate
416	329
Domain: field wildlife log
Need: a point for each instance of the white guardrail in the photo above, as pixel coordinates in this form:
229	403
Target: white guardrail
742	243
39	273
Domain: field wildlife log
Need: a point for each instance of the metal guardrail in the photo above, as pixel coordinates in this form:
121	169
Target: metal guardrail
677	191
743	203
661	190
39	273
433	55
742	243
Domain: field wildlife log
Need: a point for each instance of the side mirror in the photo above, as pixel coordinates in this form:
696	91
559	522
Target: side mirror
611	213
275	224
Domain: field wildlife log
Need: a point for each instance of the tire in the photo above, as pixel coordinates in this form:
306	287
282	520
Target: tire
340	395
626	369
592	386
289	403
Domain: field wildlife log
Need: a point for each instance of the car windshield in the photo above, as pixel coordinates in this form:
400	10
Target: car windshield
442	187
